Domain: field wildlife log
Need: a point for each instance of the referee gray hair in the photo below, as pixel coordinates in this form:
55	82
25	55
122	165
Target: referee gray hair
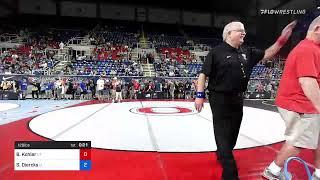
314	23
229	27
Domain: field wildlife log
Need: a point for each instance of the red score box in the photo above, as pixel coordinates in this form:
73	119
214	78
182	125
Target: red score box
85	154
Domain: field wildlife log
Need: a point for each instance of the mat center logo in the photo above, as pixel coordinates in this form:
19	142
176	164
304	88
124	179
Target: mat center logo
153	126
167	111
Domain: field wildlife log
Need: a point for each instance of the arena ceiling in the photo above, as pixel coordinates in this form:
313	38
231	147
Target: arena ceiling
238	7
225	6
230	6
200	5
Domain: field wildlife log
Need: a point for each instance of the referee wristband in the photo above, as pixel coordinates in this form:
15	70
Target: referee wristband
200	95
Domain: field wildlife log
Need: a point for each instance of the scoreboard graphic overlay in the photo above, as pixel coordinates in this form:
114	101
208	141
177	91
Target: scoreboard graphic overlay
52	155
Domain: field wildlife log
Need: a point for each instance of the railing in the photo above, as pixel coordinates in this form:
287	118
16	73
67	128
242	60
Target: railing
81	41
8	37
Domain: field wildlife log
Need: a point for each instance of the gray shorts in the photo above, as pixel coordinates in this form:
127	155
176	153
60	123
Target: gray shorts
302	130
100	92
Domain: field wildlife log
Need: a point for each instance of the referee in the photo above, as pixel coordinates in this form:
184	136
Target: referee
228	67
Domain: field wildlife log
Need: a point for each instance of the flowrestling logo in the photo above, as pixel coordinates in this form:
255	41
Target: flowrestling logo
282	11
165	111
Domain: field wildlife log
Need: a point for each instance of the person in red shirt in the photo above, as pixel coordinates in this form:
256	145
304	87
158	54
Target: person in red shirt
298	102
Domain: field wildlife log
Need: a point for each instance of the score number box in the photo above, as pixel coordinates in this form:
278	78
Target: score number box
52	155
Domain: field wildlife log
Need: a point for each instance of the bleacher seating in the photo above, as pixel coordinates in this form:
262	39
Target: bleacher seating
107	67
261	71
114	44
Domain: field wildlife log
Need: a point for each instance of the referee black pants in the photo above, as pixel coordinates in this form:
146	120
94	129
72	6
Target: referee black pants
227	111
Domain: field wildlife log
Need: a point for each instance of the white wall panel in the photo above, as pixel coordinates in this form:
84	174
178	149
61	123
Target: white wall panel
111	11
76	9
164	16
46	7
196	19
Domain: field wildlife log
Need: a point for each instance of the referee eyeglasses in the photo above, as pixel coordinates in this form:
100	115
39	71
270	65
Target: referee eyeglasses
239	30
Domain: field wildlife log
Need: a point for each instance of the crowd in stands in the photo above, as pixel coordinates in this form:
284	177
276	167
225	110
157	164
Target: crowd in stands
123	67
161	40
262	72
36	53
112	52
102	88
262	87
27	60
86	88
113	57
171	68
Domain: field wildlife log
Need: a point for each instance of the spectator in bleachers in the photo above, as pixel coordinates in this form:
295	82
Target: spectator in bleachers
172	88
57	88
35	89
150	89
118	90
100	88
92	88
49	84
6	85
23	88
83	89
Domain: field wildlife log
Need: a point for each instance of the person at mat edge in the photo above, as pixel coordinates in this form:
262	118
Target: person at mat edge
228	67
298	102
